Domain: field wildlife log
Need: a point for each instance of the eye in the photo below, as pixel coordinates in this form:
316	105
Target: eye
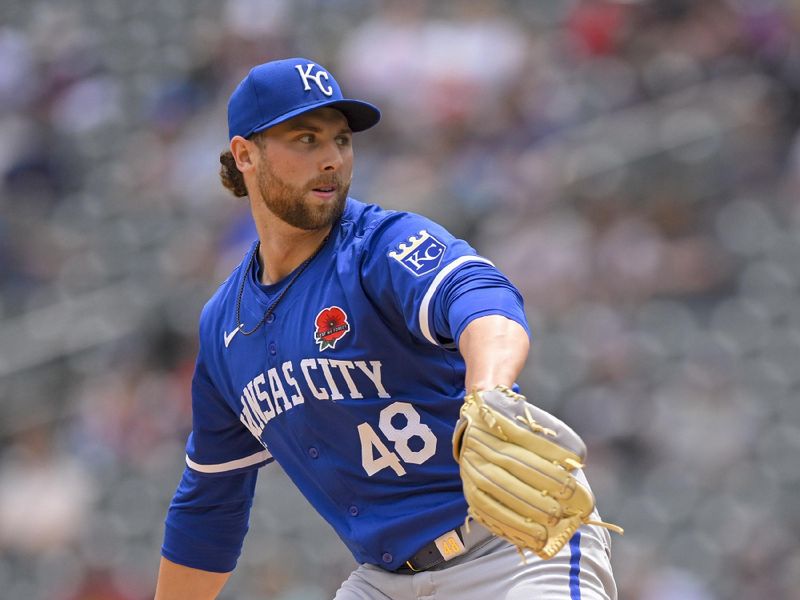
343	140
306	138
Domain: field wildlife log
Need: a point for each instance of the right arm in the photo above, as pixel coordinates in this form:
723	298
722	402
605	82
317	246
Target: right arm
208	517
176	582
205	528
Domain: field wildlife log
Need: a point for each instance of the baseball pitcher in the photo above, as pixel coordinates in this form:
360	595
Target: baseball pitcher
374	357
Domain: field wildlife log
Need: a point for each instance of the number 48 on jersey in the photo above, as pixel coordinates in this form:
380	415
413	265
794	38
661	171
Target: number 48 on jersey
375	456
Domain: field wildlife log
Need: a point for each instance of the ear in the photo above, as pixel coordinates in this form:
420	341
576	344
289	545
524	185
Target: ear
244	153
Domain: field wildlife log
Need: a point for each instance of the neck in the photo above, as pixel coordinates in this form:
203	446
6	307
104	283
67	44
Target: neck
283	249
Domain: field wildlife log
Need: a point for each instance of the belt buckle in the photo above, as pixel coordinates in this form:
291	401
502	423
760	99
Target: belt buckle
410	566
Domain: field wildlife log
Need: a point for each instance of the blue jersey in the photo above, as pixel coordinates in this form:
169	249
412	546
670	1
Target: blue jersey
352	384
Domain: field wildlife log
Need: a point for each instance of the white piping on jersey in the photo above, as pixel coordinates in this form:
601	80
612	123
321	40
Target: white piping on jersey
247	461
426	299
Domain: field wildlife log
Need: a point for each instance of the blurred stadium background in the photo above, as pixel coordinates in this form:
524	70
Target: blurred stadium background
633	166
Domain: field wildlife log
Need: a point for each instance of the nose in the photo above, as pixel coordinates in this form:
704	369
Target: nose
332	158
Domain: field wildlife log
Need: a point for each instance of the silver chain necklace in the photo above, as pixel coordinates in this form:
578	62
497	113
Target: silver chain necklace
275	302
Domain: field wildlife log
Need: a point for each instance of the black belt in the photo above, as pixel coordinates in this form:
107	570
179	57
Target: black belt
426	557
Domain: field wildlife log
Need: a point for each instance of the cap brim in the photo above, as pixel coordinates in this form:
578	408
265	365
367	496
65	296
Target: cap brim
360	115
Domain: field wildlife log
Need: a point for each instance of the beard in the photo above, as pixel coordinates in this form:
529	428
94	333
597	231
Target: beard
288	202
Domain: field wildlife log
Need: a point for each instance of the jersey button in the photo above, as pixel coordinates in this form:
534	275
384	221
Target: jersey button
273	348
387	558
354	511
270	317
313	452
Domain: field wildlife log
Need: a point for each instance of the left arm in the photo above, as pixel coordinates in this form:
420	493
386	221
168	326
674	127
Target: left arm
448	295
495	349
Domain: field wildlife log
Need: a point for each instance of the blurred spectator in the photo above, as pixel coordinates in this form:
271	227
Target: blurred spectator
441	71
99	586
45	496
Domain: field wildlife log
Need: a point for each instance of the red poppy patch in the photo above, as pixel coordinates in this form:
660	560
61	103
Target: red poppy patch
331	326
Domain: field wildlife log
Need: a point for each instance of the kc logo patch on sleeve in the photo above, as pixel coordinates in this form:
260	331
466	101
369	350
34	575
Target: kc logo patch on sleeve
421	254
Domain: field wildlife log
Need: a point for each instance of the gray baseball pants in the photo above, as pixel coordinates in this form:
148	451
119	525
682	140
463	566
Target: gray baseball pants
492	569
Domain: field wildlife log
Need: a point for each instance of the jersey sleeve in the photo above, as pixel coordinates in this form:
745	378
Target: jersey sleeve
473	291
208	517
219	443
414	270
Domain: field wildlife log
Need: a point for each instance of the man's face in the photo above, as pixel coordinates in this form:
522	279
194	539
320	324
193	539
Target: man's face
305	168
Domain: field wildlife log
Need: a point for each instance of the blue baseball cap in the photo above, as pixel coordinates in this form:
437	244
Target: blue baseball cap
279	90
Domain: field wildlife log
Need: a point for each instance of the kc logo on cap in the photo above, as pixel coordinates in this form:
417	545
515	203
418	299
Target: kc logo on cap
321	74
282	89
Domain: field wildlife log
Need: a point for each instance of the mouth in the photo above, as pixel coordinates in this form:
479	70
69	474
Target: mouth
325	191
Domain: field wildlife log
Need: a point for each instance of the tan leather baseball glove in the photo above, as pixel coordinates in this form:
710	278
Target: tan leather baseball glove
517	463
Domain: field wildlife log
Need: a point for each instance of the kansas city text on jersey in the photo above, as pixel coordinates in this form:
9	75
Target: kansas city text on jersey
277	390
